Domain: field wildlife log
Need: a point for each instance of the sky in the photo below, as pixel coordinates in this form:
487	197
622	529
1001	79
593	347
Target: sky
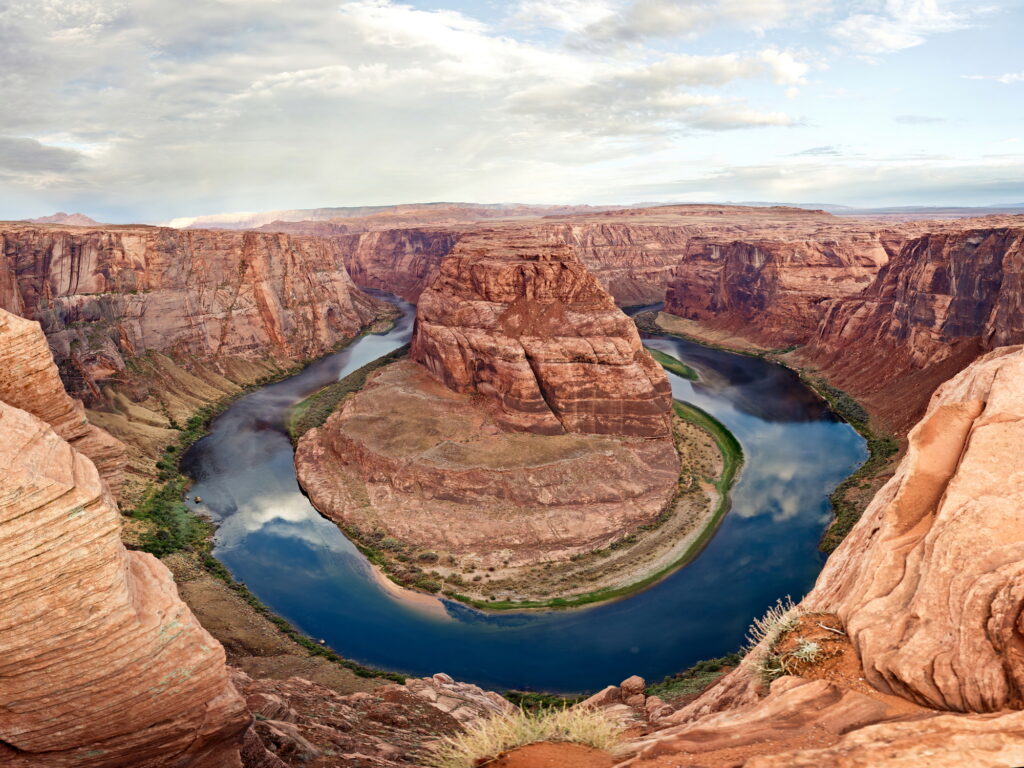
147	110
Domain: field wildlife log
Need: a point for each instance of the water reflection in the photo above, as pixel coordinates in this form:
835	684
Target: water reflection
306	570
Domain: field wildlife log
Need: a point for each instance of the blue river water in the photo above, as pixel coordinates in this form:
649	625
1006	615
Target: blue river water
303	567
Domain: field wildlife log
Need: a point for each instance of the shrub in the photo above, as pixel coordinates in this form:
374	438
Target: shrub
489	738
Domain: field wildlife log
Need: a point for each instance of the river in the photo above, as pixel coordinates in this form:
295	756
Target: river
303	567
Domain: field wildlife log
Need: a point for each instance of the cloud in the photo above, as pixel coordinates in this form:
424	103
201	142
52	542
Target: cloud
1006	79
817	151
565	16
645	19
27	155
869	182
893	25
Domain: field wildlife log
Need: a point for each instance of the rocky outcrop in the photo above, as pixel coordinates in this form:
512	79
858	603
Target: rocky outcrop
773	289
410	458
521	322
106	295
929	582
925	591
400	261
300	723
944	299
29	380
814	723
102	664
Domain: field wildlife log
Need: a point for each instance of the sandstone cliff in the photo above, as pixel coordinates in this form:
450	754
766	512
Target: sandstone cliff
102	664
523	323
773	289
29	380
944	299
926	595
104	295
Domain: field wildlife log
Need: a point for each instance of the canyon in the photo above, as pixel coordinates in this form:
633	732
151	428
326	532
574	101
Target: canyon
522	377
481	453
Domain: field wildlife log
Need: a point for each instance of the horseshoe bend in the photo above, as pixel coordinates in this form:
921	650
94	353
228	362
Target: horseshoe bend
622	475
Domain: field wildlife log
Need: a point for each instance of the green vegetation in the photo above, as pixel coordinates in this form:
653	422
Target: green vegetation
678	367
314	410
531	701
728	445
695	679
486	739
175	527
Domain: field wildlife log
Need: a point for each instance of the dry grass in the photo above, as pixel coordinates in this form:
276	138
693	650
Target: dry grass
763	637
493	736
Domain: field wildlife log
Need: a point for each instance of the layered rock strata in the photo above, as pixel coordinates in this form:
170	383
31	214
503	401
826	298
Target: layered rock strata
102	664
105	295
944	299
29	380
773	289
521	322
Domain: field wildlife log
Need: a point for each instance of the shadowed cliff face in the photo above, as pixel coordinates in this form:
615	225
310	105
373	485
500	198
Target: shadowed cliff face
942	300
522	322
105	295
774	289
102	664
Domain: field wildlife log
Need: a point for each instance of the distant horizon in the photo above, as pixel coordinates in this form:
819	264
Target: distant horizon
229	216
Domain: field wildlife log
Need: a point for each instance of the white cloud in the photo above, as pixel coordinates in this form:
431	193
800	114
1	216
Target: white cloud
643	19
892	25
565	16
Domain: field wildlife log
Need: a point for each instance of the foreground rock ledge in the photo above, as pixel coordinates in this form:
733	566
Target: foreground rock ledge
927	587
102	664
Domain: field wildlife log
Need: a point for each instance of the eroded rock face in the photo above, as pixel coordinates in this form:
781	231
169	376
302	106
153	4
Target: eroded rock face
102	664
773	288
927	588
104	295
930	582
29	380
400	261
522	322
945	298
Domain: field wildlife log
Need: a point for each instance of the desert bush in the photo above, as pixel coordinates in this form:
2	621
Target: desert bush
489	738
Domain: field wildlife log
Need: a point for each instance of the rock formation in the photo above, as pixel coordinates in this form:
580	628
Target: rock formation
523	323
944	299
104	295
435	470
102	664
926	588
29	381
772	288
400	261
